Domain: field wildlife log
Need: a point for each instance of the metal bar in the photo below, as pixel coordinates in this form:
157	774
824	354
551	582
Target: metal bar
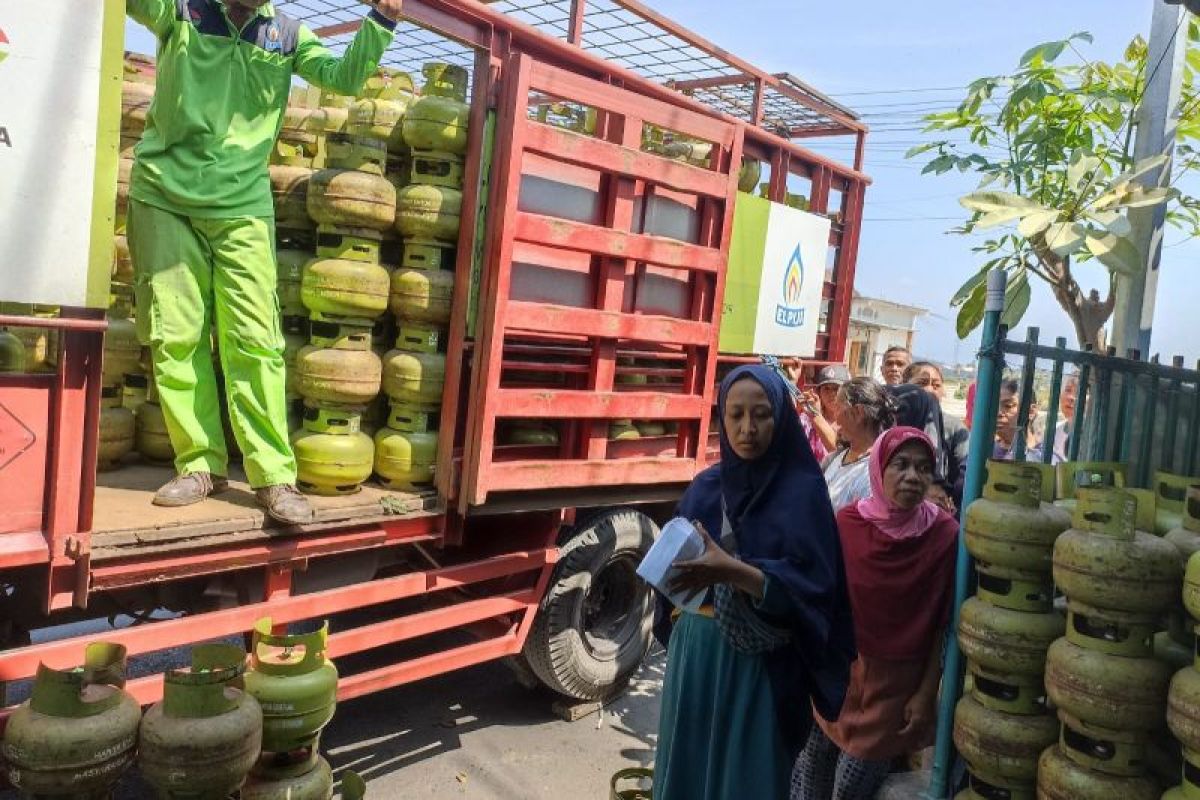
575	28
1021	439
715	82
121	573
1125	411
572	235
588	151
844	269
1081	357
1100	419
983	427
1147	444
55	323
860	145
1082	411
454	20
585	404
22	662
547	318
1173	392
23	549
517	475
480	143
1056	377
756	107
427	666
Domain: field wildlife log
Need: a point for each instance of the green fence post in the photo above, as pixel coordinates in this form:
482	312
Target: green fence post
1056	378
1193	443
1028	367
1103	395
1081	411
1125	409
1173	391
983	427
1146	453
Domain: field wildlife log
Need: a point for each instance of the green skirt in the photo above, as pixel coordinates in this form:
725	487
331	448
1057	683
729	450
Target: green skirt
718	735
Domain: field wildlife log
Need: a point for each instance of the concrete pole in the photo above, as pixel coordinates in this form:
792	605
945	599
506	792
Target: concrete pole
1157	119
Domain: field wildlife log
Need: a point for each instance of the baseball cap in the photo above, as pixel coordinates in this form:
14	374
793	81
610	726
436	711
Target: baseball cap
834	373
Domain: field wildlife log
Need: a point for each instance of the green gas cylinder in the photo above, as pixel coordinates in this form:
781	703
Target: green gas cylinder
295	683
1105	562
437	123
117	427
200	741
122	351
622	430
77	733
289	188
1060	778
351	199
122	270
415	378
1011	533
377	118
749	175
405	461
1000	746
332	464
419	295
271	781
1108	691
338	377
529	432
1073	475
290	260
151	437
1004	640
429	212
359	153
1170	493
1183	707
12	352
1186	537
338	287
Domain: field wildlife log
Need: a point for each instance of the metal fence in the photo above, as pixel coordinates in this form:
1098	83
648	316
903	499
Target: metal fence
1141	413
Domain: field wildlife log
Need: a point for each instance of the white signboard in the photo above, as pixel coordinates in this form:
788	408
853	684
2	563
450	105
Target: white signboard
50	80
793	272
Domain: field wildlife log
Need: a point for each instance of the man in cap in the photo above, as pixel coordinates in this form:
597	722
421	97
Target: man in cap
201	229
820	407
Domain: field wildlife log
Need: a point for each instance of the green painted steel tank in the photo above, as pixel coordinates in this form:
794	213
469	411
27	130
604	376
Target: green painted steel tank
1186	537
1004	640
200	741
1183	708
1073	475
269	781
12	352
295	682
529	432
437	123
338	287
1170	492
1060	778
122	351
429	212
749	175
620	430
358	153
405	461
1011	534
339	377
378	119
332	464
415	378
78	731
419	295
1105	562
289	188
1108	691
117	430
1000	746
351	199
289	261
122	270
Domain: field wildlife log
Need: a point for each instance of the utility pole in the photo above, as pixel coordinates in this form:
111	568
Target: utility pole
1157	119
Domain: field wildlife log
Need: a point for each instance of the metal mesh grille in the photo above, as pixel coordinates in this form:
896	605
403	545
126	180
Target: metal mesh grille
414	46
610	31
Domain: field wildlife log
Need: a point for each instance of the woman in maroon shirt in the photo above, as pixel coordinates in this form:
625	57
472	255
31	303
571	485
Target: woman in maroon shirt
899	550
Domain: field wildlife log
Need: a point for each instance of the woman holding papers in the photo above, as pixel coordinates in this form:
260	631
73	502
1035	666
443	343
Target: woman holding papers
900	551
773	637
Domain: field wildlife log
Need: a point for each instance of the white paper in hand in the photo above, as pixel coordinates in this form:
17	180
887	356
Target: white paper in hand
678	541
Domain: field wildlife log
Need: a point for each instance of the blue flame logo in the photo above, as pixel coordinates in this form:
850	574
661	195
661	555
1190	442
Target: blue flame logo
790	314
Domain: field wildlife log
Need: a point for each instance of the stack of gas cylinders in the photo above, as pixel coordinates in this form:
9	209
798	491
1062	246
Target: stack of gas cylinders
1183	701
1103	678
1002	725
222	729
428	218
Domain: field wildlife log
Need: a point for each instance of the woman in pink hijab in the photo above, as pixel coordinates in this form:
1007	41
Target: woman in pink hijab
899	550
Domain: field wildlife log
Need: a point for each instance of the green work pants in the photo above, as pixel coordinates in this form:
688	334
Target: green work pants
192	273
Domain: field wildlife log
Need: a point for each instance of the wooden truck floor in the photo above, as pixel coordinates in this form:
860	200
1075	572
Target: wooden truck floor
126	524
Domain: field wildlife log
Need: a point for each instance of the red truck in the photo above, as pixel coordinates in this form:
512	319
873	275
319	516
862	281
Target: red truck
582	312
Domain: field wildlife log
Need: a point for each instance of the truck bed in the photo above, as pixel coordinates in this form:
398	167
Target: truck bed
126	524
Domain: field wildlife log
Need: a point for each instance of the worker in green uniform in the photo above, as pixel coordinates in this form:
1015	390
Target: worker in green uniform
201	229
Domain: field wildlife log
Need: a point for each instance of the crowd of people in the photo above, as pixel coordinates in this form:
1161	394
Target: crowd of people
813	665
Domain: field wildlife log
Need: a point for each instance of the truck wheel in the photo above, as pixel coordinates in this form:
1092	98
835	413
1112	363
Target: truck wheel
593	627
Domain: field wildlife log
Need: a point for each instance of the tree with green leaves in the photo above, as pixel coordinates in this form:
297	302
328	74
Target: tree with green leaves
1052	144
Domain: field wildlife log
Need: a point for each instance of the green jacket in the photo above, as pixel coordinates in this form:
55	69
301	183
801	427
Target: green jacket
220	99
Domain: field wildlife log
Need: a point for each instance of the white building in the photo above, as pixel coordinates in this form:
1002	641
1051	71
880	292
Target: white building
875	325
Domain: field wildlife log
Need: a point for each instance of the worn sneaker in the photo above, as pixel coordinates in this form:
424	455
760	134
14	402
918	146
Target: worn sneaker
184	490
285	504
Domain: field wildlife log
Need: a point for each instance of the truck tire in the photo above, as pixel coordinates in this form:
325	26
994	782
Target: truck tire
592	629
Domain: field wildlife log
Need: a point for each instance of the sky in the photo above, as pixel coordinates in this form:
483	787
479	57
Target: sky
871	55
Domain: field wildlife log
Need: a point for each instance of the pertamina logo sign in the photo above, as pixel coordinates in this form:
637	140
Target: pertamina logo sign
790	313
